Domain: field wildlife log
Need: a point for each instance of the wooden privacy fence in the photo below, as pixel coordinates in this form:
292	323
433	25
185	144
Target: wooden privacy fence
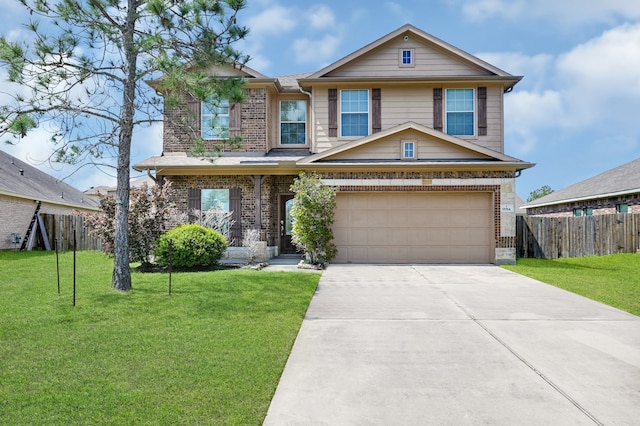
61	227
554	237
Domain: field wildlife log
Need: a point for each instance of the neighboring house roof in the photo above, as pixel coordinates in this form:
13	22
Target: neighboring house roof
622	180
102	191
21	180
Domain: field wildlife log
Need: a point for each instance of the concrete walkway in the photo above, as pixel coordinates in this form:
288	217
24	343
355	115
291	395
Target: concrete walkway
439	345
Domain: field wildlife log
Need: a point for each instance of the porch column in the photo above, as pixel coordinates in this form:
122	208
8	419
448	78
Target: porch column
257	184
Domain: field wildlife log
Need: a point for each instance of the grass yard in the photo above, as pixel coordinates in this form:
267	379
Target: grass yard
211	353
614	279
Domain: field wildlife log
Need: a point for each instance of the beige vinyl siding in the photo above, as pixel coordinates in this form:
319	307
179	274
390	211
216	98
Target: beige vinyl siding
427	148
403	103
429	61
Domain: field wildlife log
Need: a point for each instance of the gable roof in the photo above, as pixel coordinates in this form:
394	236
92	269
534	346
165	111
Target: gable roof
425	38
484	154
21	180
618	181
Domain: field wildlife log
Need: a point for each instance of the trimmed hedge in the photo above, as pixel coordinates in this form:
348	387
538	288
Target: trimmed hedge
193	245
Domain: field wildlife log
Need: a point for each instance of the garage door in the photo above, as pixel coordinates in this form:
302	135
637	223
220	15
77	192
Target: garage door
415	227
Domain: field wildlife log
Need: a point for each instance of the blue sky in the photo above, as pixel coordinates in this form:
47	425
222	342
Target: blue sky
575	114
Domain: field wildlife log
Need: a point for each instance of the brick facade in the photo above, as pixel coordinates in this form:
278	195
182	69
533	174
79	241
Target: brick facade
182	125
275	186
599	207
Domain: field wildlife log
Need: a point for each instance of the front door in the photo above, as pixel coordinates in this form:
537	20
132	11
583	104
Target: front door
286	246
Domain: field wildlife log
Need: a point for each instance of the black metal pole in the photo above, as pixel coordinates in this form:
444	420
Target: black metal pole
74	267
55	241
170	263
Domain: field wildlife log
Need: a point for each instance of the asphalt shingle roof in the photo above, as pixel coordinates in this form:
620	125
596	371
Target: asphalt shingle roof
621	180
20	179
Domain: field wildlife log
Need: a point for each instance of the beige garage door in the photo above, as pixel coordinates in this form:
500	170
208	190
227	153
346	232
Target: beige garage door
414	227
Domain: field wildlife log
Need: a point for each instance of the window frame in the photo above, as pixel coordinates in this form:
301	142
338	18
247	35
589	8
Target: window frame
224	131
306	115
403	149
473	112
341	113
401	57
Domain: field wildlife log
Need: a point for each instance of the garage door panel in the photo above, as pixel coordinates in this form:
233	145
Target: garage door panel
414	227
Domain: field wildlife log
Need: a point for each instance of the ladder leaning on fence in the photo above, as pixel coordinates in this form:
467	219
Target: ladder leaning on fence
29	237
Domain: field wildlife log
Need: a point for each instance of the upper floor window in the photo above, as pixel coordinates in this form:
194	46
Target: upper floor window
354	113
293	122
215	120
406	57
460	112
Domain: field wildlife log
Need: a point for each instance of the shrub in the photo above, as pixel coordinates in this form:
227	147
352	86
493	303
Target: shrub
312	212
193	245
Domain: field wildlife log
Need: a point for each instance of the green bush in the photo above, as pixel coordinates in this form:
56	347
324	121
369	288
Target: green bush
193	245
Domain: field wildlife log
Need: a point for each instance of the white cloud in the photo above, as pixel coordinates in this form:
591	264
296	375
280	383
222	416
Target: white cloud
321	17
400	11
316	51
565	12
535	69
589	93
529	113
274	20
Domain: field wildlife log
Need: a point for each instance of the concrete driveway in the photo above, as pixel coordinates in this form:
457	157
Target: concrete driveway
437	345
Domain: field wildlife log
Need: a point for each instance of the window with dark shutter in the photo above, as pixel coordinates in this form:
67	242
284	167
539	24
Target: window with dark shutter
193	203
482	111
333	113
376	110
437	109
235	206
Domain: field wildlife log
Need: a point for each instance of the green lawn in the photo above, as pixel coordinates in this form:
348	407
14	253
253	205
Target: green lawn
614	279
211	353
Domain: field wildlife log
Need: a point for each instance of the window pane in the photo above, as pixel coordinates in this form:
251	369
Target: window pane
354	101
293	117
216	199
215	120
355	125
293	111
408	150
292	133
460	124
406	57
459	100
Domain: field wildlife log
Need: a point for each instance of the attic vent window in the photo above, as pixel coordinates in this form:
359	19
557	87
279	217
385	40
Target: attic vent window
406	57
408	150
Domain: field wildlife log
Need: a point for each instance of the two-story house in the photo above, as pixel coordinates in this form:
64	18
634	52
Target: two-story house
408	128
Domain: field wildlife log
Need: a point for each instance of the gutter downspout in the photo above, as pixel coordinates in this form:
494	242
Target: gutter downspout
311	120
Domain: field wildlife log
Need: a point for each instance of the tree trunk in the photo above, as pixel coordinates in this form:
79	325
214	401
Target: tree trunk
121	279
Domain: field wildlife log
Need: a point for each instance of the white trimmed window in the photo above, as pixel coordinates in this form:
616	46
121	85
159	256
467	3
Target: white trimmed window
408	149
354	113
293	122
215	120
460	112
406	57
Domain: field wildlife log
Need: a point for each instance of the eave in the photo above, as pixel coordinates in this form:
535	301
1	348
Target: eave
507	81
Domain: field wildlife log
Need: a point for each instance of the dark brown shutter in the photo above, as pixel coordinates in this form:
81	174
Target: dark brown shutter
333	113
376	110
195	108
482	111
235	119
193	203
437	109
235	206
